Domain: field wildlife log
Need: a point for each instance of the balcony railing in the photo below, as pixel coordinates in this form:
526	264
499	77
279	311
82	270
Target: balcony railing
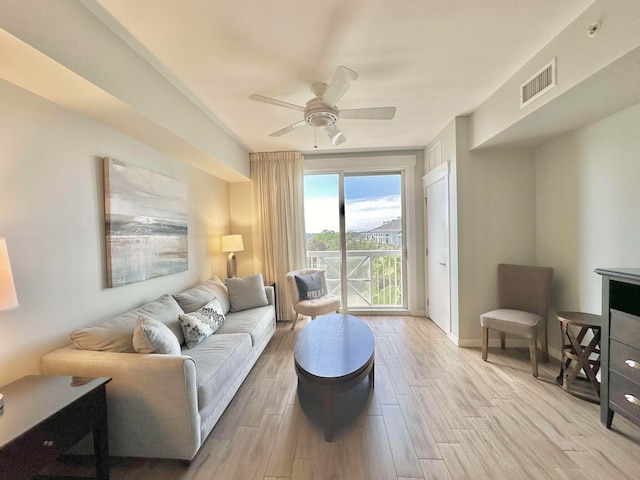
374	277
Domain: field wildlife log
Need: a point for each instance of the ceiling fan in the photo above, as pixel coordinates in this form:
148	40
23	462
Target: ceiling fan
322	111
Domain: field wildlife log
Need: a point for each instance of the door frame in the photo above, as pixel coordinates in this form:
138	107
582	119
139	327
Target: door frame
368	164
439	173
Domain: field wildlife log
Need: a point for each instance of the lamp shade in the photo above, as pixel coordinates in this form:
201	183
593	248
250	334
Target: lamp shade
8	297
232	243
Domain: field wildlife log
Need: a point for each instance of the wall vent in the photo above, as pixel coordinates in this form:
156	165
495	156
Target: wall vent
541	82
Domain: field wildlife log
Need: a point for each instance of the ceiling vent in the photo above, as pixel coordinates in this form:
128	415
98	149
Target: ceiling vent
536	86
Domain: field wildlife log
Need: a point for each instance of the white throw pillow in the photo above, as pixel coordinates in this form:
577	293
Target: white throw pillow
153	336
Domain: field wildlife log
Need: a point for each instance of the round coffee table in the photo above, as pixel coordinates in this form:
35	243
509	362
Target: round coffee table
334	357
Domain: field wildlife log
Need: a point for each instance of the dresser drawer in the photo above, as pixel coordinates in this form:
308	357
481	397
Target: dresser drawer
625	328
624	395
625	360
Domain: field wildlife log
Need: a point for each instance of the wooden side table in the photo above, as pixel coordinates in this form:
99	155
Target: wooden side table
45	415
577	357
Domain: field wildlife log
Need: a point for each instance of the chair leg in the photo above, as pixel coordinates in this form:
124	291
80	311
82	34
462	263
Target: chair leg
502	340
485	343
545	346
534	357
295	320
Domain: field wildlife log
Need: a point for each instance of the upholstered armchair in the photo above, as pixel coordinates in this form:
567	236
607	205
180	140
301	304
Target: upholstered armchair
309	294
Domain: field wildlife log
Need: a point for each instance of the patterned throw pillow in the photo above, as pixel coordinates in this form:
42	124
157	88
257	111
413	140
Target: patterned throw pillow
198	325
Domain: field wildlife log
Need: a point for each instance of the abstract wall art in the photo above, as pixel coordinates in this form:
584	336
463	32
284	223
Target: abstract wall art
145	222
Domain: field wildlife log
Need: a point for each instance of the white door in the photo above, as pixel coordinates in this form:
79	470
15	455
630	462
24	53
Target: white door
436	189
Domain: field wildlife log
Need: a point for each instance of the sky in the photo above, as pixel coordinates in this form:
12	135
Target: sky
370	201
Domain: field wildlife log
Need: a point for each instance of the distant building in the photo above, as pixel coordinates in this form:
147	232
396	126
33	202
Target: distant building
389	232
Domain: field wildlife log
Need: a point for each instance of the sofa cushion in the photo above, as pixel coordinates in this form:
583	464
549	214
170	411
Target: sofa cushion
247	292
310	285
116	334
217	359
198	296
152	336
255	322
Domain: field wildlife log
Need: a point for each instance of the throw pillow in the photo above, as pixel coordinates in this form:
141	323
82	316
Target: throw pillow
247	292
198	325
310	286
116	334
152	336
198	296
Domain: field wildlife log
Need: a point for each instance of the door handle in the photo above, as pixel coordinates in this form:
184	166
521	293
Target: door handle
442	263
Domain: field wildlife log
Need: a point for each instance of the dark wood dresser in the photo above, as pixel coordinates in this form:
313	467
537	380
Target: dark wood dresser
620	344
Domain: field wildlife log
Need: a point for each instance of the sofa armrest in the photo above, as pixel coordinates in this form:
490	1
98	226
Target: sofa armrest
152	401
271	295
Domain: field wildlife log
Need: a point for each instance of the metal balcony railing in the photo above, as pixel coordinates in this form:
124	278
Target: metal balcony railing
374	277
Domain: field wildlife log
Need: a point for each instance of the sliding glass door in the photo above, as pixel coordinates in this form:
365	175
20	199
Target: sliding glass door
355	229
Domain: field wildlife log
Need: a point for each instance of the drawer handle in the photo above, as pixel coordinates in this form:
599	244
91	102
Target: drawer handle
632	399
632	364
48	443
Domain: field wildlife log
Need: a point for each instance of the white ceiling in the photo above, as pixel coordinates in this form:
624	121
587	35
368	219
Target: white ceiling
432	59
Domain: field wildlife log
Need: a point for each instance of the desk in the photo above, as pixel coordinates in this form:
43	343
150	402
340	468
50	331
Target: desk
44	416
575	356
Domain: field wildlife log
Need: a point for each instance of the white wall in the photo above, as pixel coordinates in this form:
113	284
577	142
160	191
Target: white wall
71	35
587	204
496	224
51	211
578	58
492	205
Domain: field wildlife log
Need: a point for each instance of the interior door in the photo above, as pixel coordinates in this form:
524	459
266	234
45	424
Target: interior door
436	189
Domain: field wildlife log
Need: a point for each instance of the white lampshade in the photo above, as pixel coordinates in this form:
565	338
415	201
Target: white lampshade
8	297
232	243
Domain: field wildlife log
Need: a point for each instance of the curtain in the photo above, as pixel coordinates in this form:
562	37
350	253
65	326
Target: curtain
278	208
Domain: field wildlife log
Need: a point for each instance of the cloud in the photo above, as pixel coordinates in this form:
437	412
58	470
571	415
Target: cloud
322	213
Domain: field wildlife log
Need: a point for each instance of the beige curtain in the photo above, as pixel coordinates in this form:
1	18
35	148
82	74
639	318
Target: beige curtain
278	209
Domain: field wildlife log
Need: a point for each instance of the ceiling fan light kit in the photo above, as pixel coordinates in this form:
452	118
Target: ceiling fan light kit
322	111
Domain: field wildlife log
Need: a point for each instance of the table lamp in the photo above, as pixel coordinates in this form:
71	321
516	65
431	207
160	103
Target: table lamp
8	297
232	243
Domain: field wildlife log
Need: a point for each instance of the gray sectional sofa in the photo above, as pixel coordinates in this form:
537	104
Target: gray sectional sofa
164	405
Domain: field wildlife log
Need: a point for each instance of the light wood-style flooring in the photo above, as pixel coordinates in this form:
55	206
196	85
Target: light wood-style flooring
437	412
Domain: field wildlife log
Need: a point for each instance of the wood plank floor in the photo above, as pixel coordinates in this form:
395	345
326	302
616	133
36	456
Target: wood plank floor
437	412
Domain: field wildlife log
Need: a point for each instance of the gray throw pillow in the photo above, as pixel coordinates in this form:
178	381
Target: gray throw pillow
247	292
152	336
198	325
310	286
198	296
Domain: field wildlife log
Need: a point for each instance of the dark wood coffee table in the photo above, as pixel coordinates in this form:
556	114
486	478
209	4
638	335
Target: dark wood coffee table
334	357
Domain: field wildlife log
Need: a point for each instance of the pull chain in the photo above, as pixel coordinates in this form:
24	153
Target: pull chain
315	141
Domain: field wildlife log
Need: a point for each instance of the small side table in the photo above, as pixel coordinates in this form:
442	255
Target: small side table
577	357
44	416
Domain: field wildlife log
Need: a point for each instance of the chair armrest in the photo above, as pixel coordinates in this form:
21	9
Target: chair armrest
149	397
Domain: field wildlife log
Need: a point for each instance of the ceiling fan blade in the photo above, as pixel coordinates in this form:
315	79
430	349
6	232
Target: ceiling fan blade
288	129
375	113
273	101
336	136
340	83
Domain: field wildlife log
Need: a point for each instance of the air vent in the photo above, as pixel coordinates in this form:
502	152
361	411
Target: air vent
536	86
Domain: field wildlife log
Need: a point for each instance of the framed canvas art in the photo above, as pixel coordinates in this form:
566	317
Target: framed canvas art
145	222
